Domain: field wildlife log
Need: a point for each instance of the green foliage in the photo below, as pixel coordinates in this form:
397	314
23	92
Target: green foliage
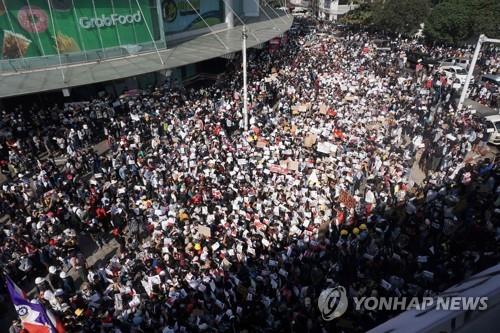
459	21
359	16
449	21
401	16
485	17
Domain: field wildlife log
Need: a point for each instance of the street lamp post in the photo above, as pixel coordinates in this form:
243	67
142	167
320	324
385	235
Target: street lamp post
244	36
482	39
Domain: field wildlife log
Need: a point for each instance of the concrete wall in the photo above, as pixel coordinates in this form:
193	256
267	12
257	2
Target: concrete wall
484	284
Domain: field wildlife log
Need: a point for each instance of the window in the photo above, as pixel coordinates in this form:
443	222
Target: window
490	81
490	128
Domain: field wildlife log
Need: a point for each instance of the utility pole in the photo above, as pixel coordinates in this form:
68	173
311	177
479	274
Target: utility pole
244	36
482	39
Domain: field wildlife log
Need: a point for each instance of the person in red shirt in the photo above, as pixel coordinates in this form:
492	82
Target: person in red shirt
101	213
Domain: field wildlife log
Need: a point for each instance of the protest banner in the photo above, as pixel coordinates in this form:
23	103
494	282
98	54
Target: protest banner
371	125
278	169
262	143
293	165
310	140
324	147
323	109
349	98
296	109
347	199
205	231
290	165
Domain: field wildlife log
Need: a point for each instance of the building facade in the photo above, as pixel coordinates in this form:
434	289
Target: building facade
59	44
332	9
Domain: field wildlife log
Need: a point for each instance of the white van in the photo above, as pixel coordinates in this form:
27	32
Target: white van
493	129
491	78
461	62
454	72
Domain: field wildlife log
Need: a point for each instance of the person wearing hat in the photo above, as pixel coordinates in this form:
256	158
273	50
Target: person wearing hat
41	284
68	283
54	279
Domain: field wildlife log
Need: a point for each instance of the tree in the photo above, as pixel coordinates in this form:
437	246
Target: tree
460	21
485	18
401	16
360	16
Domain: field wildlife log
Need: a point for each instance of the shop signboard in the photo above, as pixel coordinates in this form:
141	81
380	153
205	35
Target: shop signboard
43	27
186	15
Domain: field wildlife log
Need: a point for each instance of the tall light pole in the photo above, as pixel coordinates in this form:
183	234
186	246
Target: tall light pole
482	39
244	36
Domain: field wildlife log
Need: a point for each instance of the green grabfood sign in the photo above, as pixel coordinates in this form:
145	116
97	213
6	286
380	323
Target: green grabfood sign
33	28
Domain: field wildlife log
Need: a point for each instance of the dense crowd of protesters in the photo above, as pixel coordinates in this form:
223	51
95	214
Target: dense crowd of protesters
487	91
222	230
482	88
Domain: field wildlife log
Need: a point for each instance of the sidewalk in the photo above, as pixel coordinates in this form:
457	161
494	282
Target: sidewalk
417	175
101	148
86	244
482	110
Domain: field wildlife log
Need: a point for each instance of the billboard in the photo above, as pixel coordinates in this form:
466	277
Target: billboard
182	15
33	28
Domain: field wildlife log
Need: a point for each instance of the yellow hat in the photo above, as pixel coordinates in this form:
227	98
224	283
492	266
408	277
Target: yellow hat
197	246
363	227
355	231
79	312
343	232
183	216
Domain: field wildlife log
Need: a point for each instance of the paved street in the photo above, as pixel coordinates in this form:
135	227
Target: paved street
95	255
87	246
481	109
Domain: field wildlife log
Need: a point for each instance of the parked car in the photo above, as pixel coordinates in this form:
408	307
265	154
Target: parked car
454	72
462	62
491	78
413	58
493	129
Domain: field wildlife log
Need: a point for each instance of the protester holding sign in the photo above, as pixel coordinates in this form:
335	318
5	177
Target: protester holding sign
226	230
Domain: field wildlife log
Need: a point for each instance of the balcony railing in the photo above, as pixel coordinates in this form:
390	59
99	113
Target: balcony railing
34	63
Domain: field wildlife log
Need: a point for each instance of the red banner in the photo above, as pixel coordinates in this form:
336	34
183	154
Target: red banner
278	169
